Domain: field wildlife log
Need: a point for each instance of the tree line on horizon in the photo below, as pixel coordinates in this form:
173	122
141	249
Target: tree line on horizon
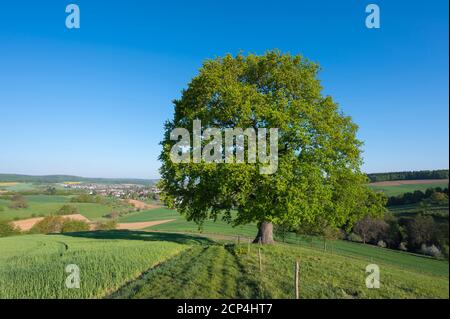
408	175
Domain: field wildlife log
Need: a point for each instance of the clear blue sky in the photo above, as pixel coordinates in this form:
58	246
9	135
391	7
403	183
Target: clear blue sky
92	101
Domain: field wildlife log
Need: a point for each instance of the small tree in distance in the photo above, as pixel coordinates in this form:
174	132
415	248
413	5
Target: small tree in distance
318	180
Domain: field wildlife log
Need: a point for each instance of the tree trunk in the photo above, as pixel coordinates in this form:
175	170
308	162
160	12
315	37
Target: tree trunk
265	233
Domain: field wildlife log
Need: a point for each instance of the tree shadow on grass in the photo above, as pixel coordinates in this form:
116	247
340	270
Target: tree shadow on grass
143	235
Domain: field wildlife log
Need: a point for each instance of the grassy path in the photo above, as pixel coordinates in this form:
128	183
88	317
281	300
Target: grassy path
201	272
232	271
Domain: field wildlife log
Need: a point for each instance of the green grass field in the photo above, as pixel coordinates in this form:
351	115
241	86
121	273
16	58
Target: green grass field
33	266
368	253
401	189
181	225
206	263
137	264
217	271
16	187
49	204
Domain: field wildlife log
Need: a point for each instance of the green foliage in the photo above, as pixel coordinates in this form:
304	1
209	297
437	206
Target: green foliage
436	196
67	210
6	229
70	226
51	190
439	198
421	230
18	201
318	178
1	209
48	225
106	225
408	175
86	198
355	238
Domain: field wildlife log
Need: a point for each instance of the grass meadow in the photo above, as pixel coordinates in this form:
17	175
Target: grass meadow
368	253
394	190
179	260
233	271
43	205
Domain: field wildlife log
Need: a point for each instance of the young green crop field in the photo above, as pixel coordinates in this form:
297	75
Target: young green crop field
43	205
34	266
137	264
394	190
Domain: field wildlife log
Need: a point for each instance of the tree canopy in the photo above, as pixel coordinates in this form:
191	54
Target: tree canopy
318	180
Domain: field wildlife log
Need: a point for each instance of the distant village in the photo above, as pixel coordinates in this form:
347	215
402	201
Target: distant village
117	190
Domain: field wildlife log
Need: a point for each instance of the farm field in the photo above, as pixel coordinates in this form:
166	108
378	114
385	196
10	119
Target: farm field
16	187
181	225
394	188
137	264
33	266
47	204
229	271
367	252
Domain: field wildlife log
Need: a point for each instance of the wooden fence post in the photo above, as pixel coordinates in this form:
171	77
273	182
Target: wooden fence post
260	261
297	273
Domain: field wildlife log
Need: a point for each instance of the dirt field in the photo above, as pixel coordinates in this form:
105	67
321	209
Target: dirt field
141	225
140	204
410	182
27	224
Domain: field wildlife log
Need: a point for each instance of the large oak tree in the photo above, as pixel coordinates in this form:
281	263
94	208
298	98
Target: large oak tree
318	180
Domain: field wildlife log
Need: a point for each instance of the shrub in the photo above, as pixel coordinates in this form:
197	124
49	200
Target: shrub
1	209
106	225
112	215
86	198
370	229
50	224
354	237
17	202
439	198
430	251
71	225
7	229
421	230
67	210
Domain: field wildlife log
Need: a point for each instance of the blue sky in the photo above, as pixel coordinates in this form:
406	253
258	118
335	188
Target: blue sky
92	101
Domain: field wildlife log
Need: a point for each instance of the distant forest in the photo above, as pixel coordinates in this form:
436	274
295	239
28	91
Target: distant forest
409	175
70	178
